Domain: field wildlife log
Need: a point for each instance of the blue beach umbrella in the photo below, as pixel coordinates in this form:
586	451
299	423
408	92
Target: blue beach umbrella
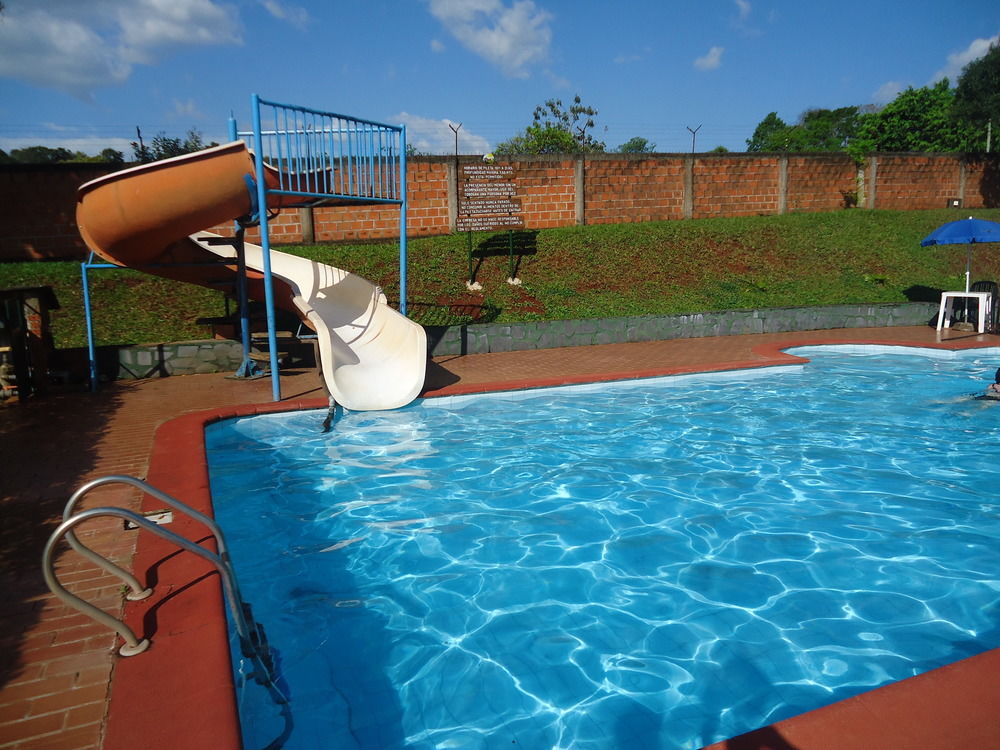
964	232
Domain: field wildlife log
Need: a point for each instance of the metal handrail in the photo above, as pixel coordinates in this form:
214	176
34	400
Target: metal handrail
251	638
137	590
133	645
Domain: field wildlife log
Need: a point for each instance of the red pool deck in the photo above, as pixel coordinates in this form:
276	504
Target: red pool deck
62	686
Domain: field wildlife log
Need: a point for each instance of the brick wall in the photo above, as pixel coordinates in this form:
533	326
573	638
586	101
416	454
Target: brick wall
547	191
38	210
427	210
38	204
820	183
735	186
909	182
634	189
982	183
427	199
427	214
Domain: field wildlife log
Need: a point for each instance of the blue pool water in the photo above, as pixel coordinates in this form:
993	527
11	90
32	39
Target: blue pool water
653	564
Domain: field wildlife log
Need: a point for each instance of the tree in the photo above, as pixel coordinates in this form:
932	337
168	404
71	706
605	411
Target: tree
816	130
40	155
636	145
828	129
769	135
556	130
107	156
112	156
977	95
165	147
140	151
46	155
918	120
539	139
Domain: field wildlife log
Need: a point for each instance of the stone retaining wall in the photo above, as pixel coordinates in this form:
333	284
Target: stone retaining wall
507	337
180	358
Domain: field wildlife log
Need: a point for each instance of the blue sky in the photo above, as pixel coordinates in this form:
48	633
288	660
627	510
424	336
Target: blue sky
85	73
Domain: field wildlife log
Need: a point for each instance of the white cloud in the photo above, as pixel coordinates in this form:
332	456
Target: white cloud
42	50
296	15
744	8
557	81
710	61
186	108
888	91
147	26
511	37
75	47
959	60
437	45
431	136
633	56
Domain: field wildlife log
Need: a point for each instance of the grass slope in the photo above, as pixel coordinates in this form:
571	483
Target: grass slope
852	256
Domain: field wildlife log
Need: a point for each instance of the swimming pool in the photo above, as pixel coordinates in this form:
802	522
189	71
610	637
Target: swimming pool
658	563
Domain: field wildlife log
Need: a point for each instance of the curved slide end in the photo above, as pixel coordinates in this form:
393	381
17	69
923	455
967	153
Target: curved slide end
386	371
372	357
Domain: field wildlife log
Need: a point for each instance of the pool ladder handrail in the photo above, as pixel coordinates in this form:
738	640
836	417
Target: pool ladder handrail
253	643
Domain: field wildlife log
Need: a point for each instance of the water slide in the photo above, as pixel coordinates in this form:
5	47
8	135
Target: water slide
153	218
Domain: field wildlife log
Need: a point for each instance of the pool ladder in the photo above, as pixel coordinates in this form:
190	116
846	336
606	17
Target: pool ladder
253	643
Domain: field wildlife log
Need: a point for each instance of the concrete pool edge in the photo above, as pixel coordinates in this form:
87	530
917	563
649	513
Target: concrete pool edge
949	708
181	693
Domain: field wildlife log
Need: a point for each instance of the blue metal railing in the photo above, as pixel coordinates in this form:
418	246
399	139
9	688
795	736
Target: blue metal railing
323	157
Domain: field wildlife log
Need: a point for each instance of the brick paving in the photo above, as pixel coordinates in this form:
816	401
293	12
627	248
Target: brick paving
56	665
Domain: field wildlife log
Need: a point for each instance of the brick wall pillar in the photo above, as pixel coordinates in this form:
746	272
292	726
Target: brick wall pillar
308	227
961	181
688	201
782	184
872	177
452	196
579	186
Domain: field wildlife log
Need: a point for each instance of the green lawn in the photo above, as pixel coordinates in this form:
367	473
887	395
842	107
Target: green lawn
577	272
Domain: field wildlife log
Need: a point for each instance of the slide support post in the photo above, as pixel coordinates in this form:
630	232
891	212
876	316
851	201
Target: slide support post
265	241
88	315
402	220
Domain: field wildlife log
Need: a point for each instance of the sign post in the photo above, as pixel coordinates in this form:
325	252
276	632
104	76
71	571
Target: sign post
487	202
